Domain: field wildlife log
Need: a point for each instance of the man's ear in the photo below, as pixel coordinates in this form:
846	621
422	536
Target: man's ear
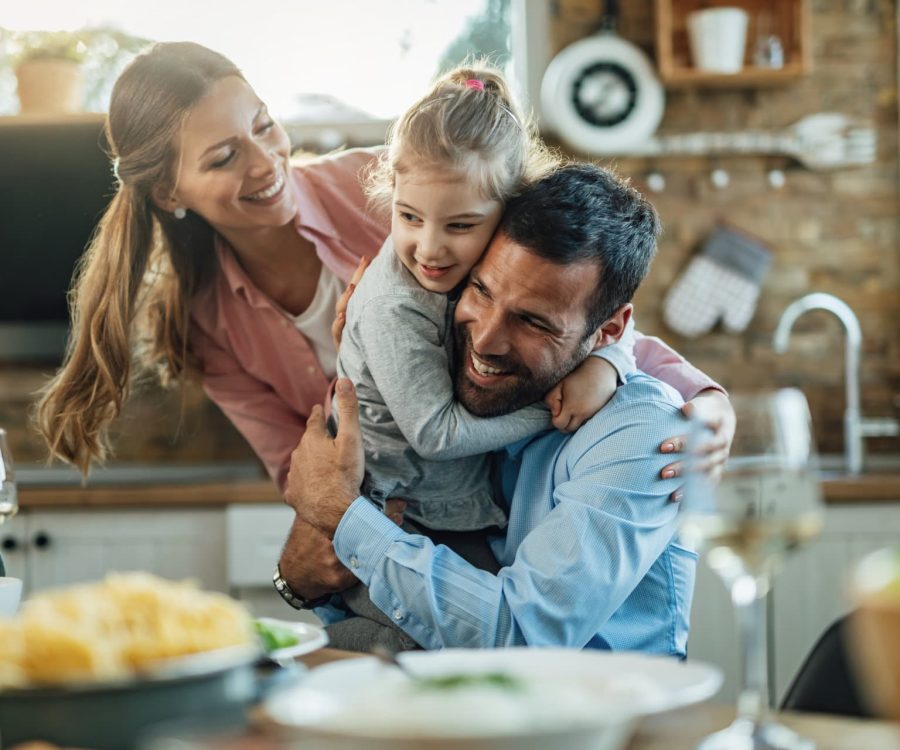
613	328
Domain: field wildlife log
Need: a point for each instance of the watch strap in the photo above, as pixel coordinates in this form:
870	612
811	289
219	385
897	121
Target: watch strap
296	600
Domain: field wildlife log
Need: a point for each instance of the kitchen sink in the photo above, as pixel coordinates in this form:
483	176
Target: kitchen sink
37	475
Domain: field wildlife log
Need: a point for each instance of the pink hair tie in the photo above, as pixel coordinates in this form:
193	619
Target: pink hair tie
474	83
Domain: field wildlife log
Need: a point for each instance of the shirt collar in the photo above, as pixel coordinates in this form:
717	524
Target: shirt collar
311	217
311	214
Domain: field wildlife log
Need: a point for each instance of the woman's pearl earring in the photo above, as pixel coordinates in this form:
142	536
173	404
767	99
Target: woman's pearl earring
180	212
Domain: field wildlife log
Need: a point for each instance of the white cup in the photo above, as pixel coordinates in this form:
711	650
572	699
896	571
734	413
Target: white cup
10	593
718	37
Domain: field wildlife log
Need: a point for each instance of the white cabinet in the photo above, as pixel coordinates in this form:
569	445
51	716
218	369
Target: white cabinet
812	590
256	535
49	548
807	596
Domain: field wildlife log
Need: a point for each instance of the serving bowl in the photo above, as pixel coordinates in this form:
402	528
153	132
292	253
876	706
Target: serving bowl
560	698
111	715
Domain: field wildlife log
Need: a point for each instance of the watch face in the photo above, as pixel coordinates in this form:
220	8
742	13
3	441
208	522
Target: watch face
604	93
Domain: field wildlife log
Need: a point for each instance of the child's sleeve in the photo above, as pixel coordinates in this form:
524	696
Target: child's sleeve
621	354
406	357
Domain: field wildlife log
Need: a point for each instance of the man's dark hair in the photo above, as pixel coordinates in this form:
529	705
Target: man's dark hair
583	213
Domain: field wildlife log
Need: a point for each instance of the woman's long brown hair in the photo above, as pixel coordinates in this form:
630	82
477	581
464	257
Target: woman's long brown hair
130	300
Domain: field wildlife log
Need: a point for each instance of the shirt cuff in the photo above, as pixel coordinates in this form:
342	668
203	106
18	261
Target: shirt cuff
363	537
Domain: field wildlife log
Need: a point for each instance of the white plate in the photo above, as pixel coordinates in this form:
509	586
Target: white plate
310	638
618	688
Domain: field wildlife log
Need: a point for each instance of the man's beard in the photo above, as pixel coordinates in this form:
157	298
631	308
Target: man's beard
520	386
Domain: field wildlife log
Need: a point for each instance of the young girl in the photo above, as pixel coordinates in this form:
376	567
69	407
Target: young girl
454	159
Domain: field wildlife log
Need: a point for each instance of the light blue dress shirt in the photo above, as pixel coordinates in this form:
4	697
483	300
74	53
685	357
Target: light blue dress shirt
590	556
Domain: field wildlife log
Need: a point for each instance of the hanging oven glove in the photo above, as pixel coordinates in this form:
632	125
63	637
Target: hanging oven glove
721	283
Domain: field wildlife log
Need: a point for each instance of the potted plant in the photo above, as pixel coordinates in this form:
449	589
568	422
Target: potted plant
48	72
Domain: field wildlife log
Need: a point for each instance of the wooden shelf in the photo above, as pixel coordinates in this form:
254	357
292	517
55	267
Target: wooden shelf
786	19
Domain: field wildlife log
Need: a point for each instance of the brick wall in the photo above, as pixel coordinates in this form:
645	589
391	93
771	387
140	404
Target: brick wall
831	232
834	232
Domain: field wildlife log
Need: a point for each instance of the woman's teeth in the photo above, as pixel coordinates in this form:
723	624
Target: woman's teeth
483	369
269	191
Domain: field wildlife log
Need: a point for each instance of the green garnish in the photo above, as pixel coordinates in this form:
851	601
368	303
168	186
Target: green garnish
274	636
455	681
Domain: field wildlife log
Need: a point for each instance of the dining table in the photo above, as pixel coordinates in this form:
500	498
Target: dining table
683	728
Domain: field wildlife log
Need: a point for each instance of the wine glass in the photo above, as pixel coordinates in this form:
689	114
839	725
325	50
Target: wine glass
767	504
9	504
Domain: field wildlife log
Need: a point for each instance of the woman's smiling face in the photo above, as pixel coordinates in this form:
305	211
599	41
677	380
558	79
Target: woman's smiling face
233	165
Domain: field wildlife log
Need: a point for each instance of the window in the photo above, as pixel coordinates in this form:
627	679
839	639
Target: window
331	61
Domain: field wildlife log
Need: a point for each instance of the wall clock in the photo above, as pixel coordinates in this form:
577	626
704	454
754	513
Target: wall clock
601	94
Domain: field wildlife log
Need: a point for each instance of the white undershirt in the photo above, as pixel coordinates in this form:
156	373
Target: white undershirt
315	322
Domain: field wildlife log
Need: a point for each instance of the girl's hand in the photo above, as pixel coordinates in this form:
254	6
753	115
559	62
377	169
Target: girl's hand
581	394
714	408
340	307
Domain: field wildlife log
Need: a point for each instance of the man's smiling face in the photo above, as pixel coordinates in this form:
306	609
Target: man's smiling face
519	327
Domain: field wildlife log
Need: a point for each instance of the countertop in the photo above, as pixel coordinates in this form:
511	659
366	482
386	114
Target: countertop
878	488
207	494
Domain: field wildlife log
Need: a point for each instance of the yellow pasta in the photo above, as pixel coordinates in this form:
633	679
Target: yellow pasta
115	628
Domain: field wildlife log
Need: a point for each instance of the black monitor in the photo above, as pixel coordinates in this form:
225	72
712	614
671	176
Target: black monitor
55	182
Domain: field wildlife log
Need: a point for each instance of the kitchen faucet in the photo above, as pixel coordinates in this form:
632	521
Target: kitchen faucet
855	426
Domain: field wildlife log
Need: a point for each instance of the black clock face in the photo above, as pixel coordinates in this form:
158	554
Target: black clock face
604	94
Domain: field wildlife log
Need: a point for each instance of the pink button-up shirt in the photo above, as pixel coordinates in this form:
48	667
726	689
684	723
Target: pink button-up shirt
261	371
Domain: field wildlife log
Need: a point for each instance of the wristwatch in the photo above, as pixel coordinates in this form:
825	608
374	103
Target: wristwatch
292	597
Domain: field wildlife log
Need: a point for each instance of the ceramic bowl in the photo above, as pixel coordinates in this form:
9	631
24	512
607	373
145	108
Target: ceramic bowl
573	700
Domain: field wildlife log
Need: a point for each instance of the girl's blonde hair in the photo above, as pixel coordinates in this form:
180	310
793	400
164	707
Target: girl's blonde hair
133	287
468	121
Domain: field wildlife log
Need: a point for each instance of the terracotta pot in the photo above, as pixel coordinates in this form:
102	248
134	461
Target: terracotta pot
49	86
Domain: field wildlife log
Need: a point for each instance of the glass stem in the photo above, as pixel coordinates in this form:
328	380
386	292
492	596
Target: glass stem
748	593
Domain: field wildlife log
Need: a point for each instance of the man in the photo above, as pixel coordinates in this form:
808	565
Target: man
589	558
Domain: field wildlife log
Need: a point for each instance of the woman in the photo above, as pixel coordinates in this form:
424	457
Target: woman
217	256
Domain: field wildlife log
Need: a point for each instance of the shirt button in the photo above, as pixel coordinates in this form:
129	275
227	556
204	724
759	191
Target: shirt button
311	369
354	563
285	322
398	614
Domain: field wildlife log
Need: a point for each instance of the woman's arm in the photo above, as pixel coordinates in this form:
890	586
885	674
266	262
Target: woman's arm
270	425
662	362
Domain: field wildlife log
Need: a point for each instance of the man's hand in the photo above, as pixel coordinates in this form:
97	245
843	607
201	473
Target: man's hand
326	473
714	408
309	565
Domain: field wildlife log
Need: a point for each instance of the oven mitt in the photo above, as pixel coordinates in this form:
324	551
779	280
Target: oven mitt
721	283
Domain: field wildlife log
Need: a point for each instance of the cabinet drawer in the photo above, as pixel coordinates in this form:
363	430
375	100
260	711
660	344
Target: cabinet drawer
255	537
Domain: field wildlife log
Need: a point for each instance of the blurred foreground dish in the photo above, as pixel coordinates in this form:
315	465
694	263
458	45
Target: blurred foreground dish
115	629
875	630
